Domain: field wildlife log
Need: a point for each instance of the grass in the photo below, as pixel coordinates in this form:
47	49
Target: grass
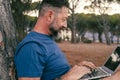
94	52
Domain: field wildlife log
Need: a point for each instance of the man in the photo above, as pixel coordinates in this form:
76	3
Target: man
38	57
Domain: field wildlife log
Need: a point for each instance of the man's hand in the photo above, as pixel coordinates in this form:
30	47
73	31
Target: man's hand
87	64
79	70
76	73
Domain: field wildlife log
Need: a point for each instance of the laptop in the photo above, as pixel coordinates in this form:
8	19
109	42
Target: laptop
109	67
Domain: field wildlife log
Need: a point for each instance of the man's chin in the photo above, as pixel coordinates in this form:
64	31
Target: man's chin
54	33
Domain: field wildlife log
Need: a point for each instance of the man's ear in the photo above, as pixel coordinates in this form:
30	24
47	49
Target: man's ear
50	16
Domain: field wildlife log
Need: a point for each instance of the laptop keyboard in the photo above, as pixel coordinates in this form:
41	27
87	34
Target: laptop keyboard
97	72
94	73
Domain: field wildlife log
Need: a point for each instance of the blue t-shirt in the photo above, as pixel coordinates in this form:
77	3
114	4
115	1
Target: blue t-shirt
39	56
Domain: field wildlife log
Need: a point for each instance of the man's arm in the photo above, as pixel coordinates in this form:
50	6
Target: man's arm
28	78
78	71
75	73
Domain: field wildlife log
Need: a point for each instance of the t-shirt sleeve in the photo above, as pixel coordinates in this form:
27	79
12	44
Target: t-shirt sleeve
30	60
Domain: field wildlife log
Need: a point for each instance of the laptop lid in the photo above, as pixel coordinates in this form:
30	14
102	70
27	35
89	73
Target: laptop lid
114	60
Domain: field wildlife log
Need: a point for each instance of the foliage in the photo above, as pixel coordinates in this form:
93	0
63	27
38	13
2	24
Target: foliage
80	22
115	24
19	7
89	23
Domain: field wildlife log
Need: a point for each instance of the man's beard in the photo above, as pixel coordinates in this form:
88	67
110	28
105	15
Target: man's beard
54	33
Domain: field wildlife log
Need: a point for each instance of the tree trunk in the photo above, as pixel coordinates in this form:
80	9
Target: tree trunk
118	38
106	32
99	37
106	28
93	35
73	28
7	41
111	38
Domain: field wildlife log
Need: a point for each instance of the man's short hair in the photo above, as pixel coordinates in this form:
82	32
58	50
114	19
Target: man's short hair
56	3
52	3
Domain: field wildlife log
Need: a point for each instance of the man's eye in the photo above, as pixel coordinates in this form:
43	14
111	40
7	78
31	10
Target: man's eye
64	19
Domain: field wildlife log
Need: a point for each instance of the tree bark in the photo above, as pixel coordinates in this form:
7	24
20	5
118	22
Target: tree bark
106	32
7	41
118	38
73	28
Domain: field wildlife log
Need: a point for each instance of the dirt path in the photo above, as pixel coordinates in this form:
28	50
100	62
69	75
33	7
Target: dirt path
95	52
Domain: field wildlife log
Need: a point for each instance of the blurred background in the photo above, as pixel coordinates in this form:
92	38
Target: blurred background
93	31
89	20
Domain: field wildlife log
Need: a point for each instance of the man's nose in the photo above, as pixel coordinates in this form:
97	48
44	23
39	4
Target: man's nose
65	25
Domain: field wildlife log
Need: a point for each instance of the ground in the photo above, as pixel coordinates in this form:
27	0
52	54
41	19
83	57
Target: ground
94	52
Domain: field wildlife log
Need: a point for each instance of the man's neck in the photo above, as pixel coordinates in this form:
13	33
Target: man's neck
41	27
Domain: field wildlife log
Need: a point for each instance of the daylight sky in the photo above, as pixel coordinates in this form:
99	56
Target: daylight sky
80	9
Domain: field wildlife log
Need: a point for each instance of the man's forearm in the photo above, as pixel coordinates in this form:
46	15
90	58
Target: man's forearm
67	77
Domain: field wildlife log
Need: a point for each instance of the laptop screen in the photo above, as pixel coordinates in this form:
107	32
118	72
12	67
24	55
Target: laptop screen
114	60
